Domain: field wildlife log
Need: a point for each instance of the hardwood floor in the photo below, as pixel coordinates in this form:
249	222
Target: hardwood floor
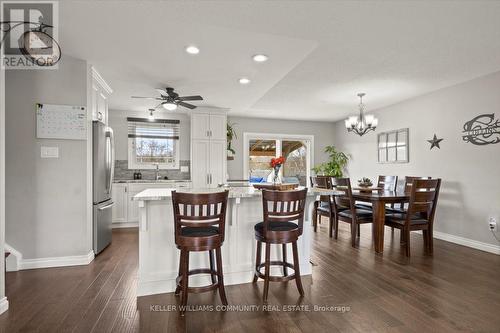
456	290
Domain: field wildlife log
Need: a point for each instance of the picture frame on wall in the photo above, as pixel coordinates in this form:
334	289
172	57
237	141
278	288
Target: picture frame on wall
393	146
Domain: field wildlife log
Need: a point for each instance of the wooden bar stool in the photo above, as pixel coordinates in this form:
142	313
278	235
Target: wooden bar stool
200	220
281	210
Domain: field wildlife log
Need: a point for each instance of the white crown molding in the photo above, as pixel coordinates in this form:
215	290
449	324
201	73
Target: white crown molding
4	305
96	76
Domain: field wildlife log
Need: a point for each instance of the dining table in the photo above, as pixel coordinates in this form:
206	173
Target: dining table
379	200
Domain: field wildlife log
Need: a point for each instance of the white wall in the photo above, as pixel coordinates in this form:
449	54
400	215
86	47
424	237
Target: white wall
471	183
118	122
46	213
322	131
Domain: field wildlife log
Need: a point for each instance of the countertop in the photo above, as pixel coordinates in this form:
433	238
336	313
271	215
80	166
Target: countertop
150	181
155	194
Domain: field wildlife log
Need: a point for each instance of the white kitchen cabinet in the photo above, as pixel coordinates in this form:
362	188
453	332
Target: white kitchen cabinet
200	126
126	210
218	161
208	149
119	197
200	163
100	95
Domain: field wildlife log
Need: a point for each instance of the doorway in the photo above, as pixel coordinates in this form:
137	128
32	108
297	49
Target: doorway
260	148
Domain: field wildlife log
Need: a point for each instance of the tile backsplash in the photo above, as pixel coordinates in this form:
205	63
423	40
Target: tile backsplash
123	173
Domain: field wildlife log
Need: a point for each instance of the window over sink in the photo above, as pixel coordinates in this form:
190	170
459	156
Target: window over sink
152	143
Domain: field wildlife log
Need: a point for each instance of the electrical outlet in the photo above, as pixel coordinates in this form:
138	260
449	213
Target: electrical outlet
492	222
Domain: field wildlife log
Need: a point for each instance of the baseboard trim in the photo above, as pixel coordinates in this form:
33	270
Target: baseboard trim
118	225
57	261
4	305
495	249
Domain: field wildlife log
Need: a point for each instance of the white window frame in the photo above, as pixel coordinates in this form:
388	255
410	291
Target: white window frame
132	158
308	139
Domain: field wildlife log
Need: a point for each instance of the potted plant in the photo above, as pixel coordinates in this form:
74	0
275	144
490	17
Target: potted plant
231	134
335	167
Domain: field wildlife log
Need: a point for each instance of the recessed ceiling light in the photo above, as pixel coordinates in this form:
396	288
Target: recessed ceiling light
260	58
192	49
244	80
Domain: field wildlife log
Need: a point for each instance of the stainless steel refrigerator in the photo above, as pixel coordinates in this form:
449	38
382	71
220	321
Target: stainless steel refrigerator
103	160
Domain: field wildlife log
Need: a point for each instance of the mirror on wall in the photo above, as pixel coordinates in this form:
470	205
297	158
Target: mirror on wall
393	146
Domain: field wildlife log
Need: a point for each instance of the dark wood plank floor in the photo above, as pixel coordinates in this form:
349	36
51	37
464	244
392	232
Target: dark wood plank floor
456	290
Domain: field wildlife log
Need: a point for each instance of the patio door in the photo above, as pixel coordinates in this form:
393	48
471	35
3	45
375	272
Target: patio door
260	148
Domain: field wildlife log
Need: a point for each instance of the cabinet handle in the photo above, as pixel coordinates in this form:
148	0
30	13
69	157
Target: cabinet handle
208	179
208	133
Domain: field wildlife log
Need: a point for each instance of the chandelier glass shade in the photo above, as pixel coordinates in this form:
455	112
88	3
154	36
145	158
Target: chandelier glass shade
362	123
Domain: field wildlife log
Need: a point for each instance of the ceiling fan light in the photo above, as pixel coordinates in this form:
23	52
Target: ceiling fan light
169	106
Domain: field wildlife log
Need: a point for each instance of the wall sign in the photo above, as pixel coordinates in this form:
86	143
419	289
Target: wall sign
482	130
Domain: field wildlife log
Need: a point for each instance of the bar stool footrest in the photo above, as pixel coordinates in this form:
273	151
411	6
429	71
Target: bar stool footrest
275	278
198	290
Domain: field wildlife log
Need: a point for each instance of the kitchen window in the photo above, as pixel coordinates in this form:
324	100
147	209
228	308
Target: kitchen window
153	142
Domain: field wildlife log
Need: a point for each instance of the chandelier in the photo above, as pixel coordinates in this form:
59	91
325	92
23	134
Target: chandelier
361	124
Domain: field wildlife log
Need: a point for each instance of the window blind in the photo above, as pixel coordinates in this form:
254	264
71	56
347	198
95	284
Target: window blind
153	129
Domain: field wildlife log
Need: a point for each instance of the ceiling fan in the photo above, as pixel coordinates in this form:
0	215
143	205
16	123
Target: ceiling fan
170	99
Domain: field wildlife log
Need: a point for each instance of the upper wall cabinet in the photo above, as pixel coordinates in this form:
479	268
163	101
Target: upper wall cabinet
208	148
208	126
100	92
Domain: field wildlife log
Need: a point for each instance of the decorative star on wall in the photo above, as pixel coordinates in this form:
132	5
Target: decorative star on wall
435	142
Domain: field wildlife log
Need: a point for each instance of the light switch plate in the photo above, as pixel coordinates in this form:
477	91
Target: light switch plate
184	168
50	152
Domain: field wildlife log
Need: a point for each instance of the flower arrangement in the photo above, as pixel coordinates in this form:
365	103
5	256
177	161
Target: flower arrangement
365	182
276	164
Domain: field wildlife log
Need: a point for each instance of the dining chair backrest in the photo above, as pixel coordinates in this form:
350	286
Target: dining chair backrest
409	182
346	200
320	182
423	199
199	210
284	206
387	183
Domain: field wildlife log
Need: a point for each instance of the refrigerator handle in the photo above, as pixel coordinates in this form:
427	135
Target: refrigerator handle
110	173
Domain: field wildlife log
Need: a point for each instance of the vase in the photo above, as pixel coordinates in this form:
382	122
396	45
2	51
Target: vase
276	178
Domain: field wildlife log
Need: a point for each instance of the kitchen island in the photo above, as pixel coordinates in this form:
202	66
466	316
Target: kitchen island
159	257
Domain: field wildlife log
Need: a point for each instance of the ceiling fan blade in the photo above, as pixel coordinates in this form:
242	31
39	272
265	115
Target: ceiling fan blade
155	98
187	105
190	98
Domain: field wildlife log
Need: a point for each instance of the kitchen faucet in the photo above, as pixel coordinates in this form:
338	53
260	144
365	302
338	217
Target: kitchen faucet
157	172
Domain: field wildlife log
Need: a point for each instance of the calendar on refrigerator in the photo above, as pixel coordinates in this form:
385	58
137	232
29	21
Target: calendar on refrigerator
61	122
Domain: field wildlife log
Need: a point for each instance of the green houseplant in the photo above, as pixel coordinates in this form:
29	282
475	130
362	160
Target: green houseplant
335	167
231	134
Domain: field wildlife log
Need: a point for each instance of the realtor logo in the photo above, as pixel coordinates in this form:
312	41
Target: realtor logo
29	34
482	130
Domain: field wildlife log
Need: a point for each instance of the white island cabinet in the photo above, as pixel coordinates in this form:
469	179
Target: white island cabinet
159	257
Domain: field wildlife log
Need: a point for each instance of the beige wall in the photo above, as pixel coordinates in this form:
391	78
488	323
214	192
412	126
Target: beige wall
471	174
46	199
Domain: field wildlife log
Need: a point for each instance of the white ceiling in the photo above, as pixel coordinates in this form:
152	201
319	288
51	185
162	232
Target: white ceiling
321	52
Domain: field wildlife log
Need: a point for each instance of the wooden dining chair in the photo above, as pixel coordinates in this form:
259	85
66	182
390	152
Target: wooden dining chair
345	209
386	183
200	220
323	206
424	195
